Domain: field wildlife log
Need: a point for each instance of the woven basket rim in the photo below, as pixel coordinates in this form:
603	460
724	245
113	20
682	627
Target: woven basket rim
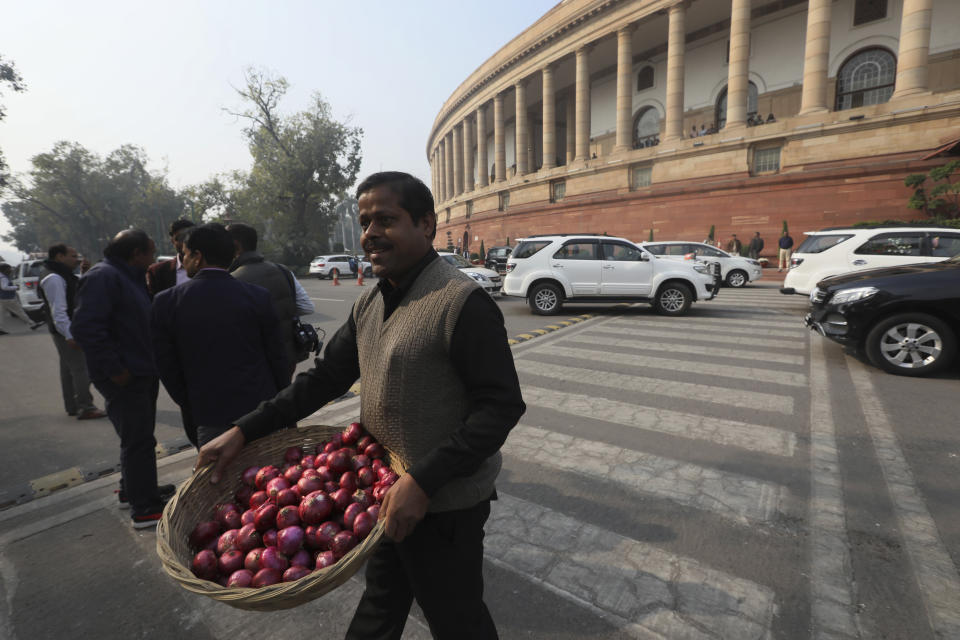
183	507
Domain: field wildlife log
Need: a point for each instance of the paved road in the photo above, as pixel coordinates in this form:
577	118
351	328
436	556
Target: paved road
723	475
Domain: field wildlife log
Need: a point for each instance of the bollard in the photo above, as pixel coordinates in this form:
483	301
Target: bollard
360	277
336	278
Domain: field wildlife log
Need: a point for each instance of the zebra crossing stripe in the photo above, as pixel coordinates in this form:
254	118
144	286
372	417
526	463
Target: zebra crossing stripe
933	567
670	388
644	591
752	437
645	332
677	347
719	327
831	606
715	372
733	496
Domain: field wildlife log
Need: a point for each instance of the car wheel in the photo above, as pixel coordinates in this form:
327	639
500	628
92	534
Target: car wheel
545	299
911	344
737	278
673	299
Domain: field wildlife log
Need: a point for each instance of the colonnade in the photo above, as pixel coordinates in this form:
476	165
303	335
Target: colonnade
453	155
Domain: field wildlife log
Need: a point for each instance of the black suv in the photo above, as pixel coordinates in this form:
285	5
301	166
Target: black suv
496	259
905	319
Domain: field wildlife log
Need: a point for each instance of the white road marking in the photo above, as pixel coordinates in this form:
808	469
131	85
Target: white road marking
737	327
752	437
740	323
642	590
729	495
933	567
327	300
831	606
747	341
658	386
713	371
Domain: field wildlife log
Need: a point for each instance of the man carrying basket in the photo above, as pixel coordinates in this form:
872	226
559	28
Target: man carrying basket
439	390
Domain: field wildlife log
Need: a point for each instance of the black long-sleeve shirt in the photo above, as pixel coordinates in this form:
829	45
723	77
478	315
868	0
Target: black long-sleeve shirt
480	354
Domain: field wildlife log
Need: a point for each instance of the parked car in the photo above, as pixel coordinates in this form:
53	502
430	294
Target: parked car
325	266
736	271
487	278
496	259
27	276
905	319
835	251
552	270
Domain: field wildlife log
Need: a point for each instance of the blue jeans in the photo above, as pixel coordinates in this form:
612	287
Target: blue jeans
133	411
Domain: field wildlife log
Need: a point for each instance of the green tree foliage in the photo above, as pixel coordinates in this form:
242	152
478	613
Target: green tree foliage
483	252
9	78
710	235
73	195
651	235
785	230
936	193
303	165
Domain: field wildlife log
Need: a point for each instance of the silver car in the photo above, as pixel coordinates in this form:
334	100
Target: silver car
489	279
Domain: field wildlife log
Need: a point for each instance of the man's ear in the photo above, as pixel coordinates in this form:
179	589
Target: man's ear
430	223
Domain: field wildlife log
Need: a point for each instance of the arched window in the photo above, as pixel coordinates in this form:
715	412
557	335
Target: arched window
646	128
645	78
721	110
867	77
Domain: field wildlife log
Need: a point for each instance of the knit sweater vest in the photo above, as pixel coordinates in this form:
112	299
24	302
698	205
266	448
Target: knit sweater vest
412	399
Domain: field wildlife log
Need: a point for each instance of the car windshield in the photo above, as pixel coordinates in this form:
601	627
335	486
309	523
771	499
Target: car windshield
821	242
35	270
458	261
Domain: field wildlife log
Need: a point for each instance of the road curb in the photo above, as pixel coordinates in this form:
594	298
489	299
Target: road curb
550	328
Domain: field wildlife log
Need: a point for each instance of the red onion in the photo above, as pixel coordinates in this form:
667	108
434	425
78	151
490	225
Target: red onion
294	573
366	476
302	558
341	498
348	481
363	525
330	487
258	498
265	475
293	474
275	486
240	579
250	476
342	543
205	565
252	560
309	473
338	462
350	513
309	485
230	519
308	462
247	516
377	464
315	508
266	577
231	561
375	450
383	471
353	433
242	496
325	559
321	459
287	517
270	538
290	540
374	511
325	534
287	497
362	498
271	558
266	516
360	461
203	533
292	455
364	442
248	538
227	541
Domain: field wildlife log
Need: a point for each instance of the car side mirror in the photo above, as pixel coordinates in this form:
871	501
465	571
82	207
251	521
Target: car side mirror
644	256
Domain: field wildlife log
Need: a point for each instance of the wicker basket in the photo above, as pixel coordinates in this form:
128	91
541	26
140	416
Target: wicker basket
194	502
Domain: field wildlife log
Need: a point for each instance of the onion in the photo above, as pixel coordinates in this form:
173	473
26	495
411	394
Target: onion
248	538
362	498
302	558
247	516
287	497
360	461
292	455
275	486
205	565
309	473
380	491
231	561
342	543
265	475
339	461
364	442
242	496
230	519
326	533
353	433
288	516
222	507
324	473
290	540
294	573
266	577
309	485
252	561
270	538
348	481
320	459
258	498
377	464
308	462
241	579
203	533
366	476
374	511
350	513
341	498
375	450
293	473
363	525
266	516
383	471
271	558
325	559
250	476
315	508
227	541
330	487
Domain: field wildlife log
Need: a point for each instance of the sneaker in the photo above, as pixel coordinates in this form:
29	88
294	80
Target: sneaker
166	492
147	520
91	414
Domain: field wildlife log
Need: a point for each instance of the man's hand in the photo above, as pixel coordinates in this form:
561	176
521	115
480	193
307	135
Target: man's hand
221	450
73	344
403	507
122	379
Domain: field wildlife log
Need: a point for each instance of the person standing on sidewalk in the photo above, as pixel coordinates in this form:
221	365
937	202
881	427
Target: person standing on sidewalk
786	248
734	245
58	290
9	303
440	391
112	325
756	246
170	273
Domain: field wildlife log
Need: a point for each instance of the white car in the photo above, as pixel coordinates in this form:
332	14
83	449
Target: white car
832	252
552	270
736	271
325	266
489	279
27	276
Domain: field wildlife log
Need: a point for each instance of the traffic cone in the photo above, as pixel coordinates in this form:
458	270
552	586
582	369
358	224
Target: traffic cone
336	278
359	277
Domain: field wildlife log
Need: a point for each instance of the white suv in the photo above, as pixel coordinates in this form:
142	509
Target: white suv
325	266
836	251
550	270
736	271
27	277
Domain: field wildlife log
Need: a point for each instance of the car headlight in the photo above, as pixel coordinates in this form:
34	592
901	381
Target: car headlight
846	296
700	267
479	277
754	263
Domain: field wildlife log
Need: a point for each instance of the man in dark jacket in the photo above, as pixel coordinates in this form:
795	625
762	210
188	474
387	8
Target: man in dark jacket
169	273
287	294
216	339
786	248
756	246
112	325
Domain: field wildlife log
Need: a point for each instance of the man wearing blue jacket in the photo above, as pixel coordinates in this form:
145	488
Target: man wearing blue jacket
217	339
111	323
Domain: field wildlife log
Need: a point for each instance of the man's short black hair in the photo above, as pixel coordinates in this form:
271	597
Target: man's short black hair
179	225
122	247
214	244
244	235
57	250
412	195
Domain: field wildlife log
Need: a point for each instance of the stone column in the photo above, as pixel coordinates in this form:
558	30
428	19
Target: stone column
571	128
583	104
676	52
433	174
549	120
739	68
531	151
816	57
913	60
468	140
442	169
521	133
448	145
624	88
499	150
458	160
483	168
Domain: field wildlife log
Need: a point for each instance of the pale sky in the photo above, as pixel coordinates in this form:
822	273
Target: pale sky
108	72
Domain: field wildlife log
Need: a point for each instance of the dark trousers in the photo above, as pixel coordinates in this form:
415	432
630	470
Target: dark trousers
133	411
441	565
189	427
74	382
